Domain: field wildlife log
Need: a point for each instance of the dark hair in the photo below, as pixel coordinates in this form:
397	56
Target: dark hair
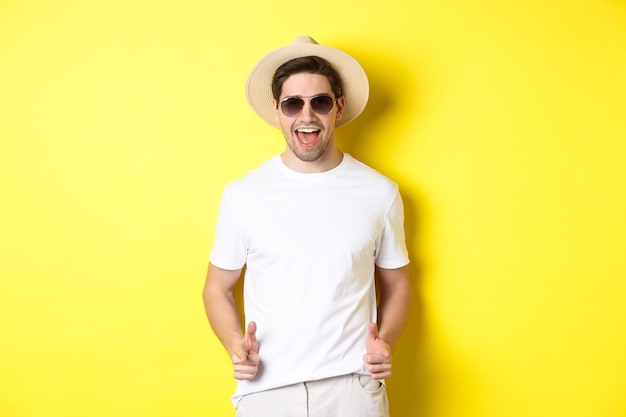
306	64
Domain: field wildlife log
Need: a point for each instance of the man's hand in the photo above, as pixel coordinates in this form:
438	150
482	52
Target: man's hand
246	356
378	354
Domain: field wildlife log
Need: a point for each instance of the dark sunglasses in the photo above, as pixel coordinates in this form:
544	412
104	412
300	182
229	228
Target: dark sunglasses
321	104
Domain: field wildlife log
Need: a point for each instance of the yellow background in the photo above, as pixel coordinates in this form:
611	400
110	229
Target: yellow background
502	121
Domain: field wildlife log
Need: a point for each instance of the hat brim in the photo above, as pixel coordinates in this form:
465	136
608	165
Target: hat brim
355	83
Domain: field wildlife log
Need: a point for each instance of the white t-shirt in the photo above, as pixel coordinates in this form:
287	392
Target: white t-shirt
309	243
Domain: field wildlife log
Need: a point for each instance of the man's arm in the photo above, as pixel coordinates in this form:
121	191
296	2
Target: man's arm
394	305
221	309
394	289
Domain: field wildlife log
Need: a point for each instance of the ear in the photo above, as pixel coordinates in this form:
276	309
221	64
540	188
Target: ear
275	109
341	104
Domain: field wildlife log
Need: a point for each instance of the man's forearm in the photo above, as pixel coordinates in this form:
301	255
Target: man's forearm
221	307
395	303
224	319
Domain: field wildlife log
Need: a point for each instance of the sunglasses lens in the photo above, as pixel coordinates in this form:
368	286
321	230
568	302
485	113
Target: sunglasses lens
322	104
292	106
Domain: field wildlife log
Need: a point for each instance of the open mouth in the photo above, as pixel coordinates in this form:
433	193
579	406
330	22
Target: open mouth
308	136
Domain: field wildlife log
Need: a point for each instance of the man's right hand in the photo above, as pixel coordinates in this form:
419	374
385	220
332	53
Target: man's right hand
246	356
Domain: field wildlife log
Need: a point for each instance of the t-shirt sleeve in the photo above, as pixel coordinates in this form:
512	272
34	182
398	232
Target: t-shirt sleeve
392	252
229	249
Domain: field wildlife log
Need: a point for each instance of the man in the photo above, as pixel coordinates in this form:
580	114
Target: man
318	234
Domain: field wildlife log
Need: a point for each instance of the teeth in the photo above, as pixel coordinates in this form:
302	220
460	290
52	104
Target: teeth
307	130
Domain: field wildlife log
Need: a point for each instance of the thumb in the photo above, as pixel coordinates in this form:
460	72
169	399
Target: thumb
374	343
250	342
252	329
373	331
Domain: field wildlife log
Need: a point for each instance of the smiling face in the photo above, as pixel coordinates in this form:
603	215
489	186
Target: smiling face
310	136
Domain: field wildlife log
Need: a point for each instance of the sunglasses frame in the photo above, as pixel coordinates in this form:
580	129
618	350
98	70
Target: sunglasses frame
302	100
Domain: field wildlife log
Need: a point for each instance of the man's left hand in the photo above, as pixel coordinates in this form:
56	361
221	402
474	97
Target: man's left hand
378	354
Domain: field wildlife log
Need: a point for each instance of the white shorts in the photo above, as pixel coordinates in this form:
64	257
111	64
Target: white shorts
351	395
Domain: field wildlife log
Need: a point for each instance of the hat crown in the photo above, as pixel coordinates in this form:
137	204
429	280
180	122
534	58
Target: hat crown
302	40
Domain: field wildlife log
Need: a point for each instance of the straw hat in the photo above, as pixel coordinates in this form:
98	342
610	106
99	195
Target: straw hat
259	84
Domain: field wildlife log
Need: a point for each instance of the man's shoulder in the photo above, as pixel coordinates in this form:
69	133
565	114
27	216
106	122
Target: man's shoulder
368	173
261	173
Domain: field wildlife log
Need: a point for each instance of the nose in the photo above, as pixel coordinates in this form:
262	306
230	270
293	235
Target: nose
307	113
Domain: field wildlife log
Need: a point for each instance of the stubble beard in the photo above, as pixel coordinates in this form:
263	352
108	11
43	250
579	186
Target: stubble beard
309	155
